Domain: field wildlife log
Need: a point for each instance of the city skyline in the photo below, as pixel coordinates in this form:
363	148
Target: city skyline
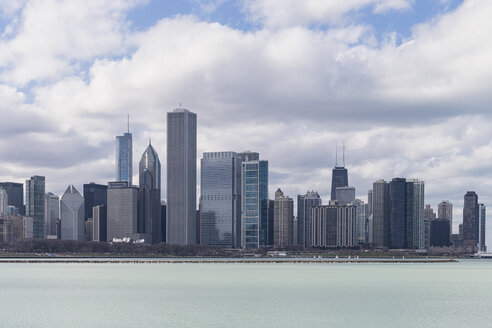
362	75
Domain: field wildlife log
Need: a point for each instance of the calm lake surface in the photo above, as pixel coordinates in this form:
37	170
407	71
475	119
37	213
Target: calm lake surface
246	295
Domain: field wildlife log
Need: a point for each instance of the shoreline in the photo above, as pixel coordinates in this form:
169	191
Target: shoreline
218	261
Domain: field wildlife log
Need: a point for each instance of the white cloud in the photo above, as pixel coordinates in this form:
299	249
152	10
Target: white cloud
50	39
273	13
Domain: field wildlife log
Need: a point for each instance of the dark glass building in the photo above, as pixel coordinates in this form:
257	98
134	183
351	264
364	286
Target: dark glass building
398	212
439	233
470	220
339	178
15	195
35	190
94	195
149	195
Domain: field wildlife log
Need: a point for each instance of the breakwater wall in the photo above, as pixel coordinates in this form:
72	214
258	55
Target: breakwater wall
220	261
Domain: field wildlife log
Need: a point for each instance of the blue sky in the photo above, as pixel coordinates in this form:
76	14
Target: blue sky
232	14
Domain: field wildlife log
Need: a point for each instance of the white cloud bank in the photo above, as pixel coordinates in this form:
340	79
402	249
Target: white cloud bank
420	109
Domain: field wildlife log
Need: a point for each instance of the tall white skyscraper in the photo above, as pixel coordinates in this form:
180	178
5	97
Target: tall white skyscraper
181	177
72	215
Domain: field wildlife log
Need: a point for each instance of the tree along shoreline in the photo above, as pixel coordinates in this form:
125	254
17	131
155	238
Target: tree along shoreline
65	248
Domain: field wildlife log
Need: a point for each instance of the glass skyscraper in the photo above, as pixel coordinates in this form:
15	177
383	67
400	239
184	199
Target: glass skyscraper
14	194
481	227
181	177
254	204
470	220
35	190
220	201
398	212
94	195
339	178
124	158
149	195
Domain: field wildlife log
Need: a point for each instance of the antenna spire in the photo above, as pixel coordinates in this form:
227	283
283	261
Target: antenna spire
128	123
343	152
336	154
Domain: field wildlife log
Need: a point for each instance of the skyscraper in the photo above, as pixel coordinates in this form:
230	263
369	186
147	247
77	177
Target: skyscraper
149	195
270	221
398	212
346	225
380	214
361	221
416	224
324	226
304	205
333	225
15	195
470	220
445	211
72	215
339	178
254	204
345	195
4	202
35	190
220	200
181	177
481	217
124	157
283	220
122	212
94	194
99	223
439	233
369	202
51	213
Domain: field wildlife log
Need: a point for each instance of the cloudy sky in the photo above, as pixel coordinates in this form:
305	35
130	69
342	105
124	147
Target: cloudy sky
406	83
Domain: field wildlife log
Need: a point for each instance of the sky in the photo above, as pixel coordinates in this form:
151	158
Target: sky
406	84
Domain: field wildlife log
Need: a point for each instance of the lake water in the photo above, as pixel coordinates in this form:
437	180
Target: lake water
246	295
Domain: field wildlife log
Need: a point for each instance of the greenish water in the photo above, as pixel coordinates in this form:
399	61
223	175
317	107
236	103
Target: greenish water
246	295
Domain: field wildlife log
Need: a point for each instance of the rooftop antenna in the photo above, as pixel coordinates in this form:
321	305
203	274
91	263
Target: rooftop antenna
150	141
128	123
336	154
343	152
